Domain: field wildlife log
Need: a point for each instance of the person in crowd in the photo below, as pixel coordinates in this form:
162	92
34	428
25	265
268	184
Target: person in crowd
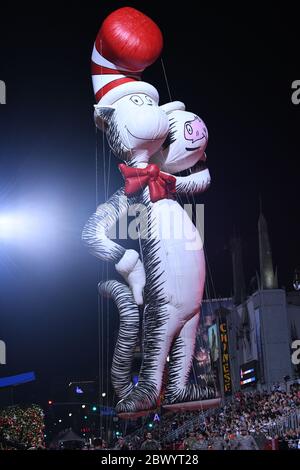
121	444
244	442
98	443
201	442
150	443
190	441
104	444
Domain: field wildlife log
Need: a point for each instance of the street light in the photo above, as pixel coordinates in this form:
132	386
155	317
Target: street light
31	224
103	394
12	225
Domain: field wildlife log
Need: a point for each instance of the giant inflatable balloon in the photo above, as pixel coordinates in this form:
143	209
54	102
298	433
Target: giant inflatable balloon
167	277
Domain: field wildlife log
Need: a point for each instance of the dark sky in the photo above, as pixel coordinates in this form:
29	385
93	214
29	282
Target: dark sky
232	66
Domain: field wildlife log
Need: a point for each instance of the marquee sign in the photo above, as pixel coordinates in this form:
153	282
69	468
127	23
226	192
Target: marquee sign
225	362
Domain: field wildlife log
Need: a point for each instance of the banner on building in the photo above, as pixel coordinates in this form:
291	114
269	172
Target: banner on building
225	355
207	359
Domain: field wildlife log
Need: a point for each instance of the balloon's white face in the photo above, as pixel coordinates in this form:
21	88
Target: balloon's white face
185	144
136	127
141	124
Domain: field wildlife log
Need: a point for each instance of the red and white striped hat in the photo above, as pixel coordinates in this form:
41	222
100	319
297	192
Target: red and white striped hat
127	42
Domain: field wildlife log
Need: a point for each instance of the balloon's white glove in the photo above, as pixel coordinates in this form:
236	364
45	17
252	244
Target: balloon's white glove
132	270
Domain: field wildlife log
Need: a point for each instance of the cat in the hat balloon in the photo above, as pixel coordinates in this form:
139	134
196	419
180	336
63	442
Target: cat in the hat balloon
168	277
182	150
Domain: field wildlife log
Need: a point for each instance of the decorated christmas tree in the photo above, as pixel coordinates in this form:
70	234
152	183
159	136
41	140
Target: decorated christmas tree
22	426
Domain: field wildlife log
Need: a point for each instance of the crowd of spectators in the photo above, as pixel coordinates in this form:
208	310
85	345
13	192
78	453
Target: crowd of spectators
257	420
248	421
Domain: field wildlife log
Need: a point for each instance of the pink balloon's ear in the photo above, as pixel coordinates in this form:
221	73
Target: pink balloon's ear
173	106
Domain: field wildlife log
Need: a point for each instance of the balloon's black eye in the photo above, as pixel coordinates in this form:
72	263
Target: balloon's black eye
136	99
148	100
189	128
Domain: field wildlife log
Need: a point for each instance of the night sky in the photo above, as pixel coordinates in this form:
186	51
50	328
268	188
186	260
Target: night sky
233	66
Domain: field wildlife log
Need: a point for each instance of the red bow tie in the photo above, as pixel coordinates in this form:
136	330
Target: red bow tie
161	185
